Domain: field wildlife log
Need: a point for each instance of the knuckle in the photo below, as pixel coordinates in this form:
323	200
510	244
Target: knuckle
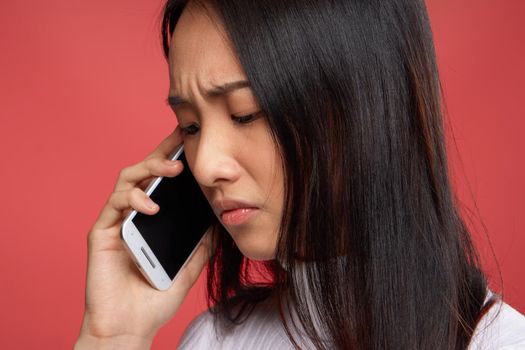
115	200
112	199
124	173
152	164
135	194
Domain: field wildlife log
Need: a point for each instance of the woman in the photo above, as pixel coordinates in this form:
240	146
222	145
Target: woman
327	130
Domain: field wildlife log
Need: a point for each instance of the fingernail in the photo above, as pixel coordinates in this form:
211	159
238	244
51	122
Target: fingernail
171	162
150	204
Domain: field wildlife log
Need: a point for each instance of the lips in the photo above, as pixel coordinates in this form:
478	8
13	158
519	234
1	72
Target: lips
233	212
237	216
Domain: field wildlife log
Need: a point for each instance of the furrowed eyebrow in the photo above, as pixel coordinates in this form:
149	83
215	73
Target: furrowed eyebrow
220	90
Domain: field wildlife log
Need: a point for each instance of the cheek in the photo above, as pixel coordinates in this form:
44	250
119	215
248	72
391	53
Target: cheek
263	156
271	173
273	176
270	182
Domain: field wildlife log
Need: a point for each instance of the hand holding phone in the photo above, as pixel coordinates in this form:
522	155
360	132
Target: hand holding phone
121	306
161	244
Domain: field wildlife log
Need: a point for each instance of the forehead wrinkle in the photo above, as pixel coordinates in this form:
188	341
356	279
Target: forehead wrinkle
216	91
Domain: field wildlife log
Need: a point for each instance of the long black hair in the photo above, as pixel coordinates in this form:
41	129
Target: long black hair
352	95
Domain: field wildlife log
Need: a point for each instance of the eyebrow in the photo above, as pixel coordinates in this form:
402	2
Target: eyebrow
220	90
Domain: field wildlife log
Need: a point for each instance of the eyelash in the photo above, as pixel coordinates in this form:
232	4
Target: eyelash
244	119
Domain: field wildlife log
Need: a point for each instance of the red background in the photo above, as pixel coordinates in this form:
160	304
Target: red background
82	86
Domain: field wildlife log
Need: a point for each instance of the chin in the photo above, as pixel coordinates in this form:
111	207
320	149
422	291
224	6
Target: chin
255	250
257	240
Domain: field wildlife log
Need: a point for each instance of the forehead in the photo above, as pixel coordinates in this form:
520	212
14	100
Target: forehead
200	49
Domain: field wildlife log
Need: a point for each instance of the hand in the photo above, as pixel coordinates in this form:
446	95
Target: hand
120	304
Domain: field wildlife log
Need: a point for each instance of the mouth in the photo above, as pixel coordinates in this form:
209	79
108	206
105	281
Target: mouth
234	212
238	216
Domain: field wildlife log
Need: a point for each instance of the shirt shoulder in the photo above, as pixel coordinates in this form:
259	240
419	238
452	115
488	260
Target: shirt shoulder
199	333
502	327
261	330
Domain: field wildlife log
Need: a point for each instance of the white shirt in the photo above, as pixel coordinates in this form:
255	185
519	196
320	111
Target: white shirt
502	327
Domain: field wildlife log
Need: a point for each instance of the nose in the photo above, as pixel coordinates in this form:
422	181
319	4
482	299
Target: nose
215	162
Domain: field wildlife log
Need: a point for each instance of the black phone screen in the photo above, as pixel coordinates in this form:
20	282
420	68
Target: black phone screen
183	218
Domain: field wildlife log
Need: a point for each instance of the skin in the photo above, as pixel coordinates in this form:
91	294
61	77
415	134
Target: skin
221	153
228	160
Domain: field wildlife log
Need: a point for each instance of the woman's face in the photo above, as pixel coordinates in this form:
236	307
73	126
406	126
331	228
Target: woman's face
231	160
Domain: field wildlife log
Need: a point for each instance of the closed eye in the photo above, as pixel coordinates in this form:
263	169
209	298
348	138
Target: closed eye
190	130
244	119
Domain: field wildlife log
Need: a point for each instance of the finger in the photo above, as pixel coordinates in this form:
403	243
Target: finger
126	212
129	176
144	183
150	167
121	201
168	145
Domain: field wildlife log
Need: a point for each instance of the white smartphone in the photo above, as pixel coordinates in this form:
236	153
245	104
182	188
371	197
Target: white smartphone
161	244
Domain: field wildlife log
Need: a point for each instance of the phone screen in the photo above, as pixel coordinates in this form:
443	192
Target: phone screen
183	218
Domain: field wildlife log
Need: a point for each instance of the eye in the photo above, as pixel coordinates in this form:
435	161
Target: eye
190	130
245	119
